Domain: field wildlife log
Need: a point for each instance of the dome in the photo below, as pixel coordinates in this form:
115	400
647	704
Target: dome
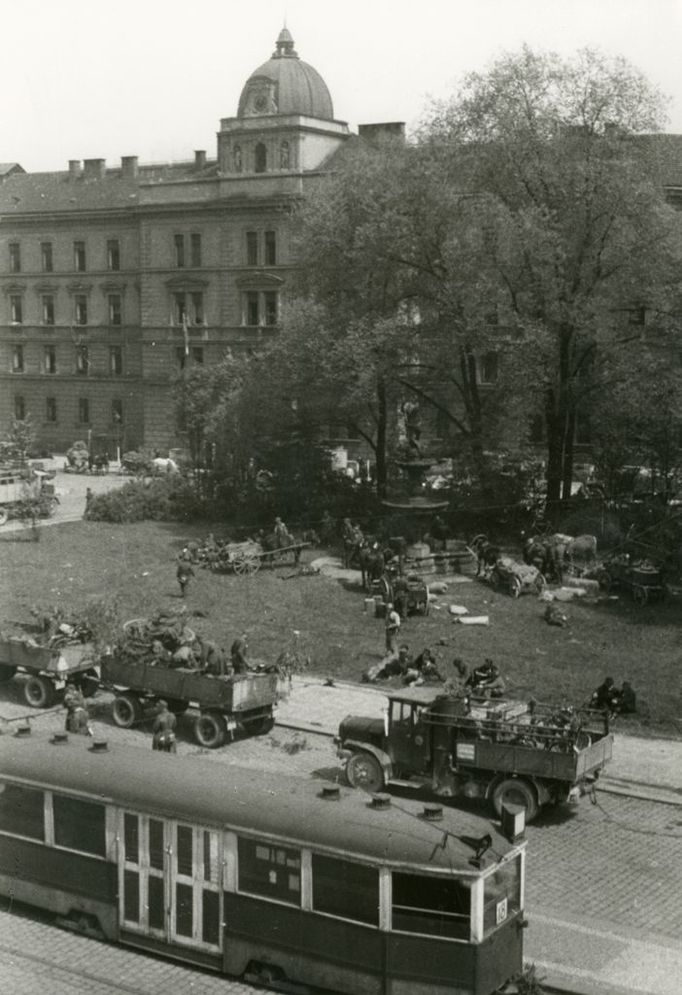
285	85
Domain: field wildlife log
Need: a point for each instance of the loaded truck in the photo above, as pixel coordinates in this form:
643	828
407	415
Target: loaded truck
505	752
48	668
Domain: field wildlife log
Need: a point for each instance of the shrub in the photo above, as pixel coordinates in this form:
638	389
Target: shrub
170	498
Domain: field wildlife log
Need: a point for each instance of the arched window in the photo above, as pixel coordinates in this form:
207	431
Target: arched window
237	158
284	155
261	158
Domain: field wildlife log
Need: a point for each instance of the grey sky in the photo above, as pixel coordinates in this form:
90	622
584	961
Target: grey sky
153	77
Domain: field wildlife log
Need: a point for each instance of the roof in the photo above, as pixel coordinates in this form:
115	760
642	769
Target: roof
211	793
299	89
10	167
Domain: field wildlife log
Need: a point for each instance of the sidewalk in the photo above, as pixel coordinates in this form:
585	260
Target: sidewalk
581	956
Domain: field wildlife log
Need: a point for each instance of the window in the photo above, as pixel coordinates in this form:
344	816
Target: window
260	158
190	305
270	307
260	308
22	811
116	412
197	312
195	249
501	894
179	243
114	309
252	312
348	890
270	248
79	825
48	309
14	257
51	409
271	871
488	368
46	256
180	357
19	407
80	302
116	360
82	361
197	355
17	359
83	411
435	906
16	311
50	359
252	248
113	254
179	308
79	256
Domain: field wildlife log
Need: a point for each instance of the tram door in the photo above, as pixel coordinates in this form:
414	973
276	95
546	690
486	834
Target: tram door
170	881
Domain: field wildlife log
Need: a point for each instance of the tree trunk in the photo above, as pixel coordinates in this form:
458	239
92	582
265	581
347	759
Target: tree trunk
567	469
382	466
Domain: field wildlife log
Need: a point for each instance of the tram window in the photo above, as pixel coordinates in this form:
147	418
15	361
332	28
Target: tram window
210	843
22	811
343	889
79	825
156	903
436	906
156	844
184	896
184	851
501	894
271	871
211	917
131	836
131	896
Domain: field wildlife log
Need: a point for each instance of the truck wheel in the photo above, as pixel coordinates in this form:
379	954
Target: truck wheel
364	771
4	515
261	726
7	671
39	692
209	730
126	710
516	792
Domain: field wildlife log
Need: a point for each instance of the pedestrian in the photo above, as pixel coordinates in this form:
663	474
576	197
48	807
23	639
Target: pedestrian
238	652
88	498
163	737
184	573
393	623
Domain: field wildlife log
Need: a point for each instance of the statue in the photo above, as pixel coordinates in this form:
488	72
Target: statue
413	430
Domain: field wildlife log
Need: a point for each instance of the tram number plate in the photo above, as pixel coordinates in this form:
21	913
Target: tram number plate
466	751
501	911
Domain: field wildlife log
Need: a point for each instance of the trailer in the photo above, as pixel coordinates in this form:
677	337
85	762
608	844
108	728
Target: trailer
22	489
515	752
49	668
223	705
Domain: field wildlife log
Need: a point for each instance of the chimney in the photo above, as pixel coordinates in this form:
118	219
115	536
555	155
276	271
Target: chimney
74	168
199	159
129	166
93	169
389	129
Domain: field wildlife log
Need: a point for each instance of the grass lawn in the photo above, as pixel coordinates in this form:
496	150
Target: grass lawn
133	566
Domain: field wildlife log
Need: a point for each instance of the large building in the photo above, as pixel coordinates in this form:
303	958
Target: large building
114	278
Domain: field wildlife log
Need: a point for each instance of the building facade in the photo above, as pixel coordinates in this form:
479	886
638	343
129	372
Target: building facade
112	280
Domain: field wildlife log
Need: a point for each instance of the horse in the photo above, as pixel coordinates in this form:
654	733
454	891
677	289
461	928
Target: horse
487	554
372	563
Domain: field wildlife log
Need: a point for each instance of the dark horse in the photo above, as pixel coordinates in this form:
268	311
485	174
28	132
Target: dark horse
371	561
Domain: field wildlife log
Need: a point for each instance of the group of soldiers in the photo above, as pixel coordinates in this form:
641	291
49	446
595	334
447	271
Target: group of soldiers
616	701
485	681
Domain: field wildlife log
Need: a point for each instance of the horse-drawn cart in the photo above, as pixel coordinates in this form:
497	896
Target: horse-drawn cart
642	578
246	558
517	578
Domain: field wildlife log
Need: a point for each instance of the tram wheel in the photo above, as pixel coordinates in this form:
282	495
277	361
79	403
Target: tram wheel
127	710
364	771
209	730
39	692
514	791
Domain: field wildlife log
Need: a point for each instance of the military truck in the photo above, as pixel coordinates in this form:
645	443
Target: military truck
48	668
506	752
225	705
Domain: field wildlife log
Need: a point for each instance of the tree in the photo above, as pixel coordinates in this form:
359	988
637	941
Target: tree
576	229
19	441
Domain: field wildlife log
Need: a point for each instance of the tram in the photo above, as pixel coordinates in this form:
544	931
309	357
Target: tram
283	881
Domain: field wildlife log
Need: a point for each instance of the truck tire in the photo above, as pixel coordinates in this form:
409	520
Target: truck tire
364	771
260	726
209	730
516	791
126	710
7	671
39	691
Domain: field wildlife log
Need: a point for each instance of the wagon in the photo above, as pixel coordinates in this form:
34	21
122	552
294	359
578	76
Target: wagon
643	579
248	557
517	578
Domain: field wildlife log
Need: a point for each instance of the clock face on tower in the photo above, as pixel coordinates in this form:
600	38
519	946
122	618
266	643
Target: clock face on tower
261	99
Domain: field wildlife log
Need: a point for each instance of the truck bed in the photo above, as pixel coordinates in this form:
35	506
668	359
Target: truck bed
571	765
60	661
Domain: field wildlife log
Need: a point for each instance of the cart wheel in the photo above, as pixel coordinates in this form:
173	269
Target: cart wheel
515	587
640	595
126	710
516	792
364	771
209	730
39	692
252	564
540	583
4	515
7	671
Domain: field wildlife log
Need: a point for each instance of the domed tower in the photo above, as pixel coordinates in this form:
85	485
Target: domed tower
285	118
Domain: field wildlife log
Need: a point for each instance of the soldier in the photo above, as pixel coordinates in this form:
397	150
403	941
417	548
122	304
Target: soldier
238	655
393	622
164	730
77	719
486	681
184	573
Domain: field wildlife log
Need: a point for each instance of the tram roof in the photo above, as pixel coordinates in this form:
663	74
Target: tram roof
253	802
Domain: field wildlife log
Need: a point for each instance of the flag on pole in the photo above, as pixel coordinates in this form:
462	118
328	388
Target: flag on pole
185	332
